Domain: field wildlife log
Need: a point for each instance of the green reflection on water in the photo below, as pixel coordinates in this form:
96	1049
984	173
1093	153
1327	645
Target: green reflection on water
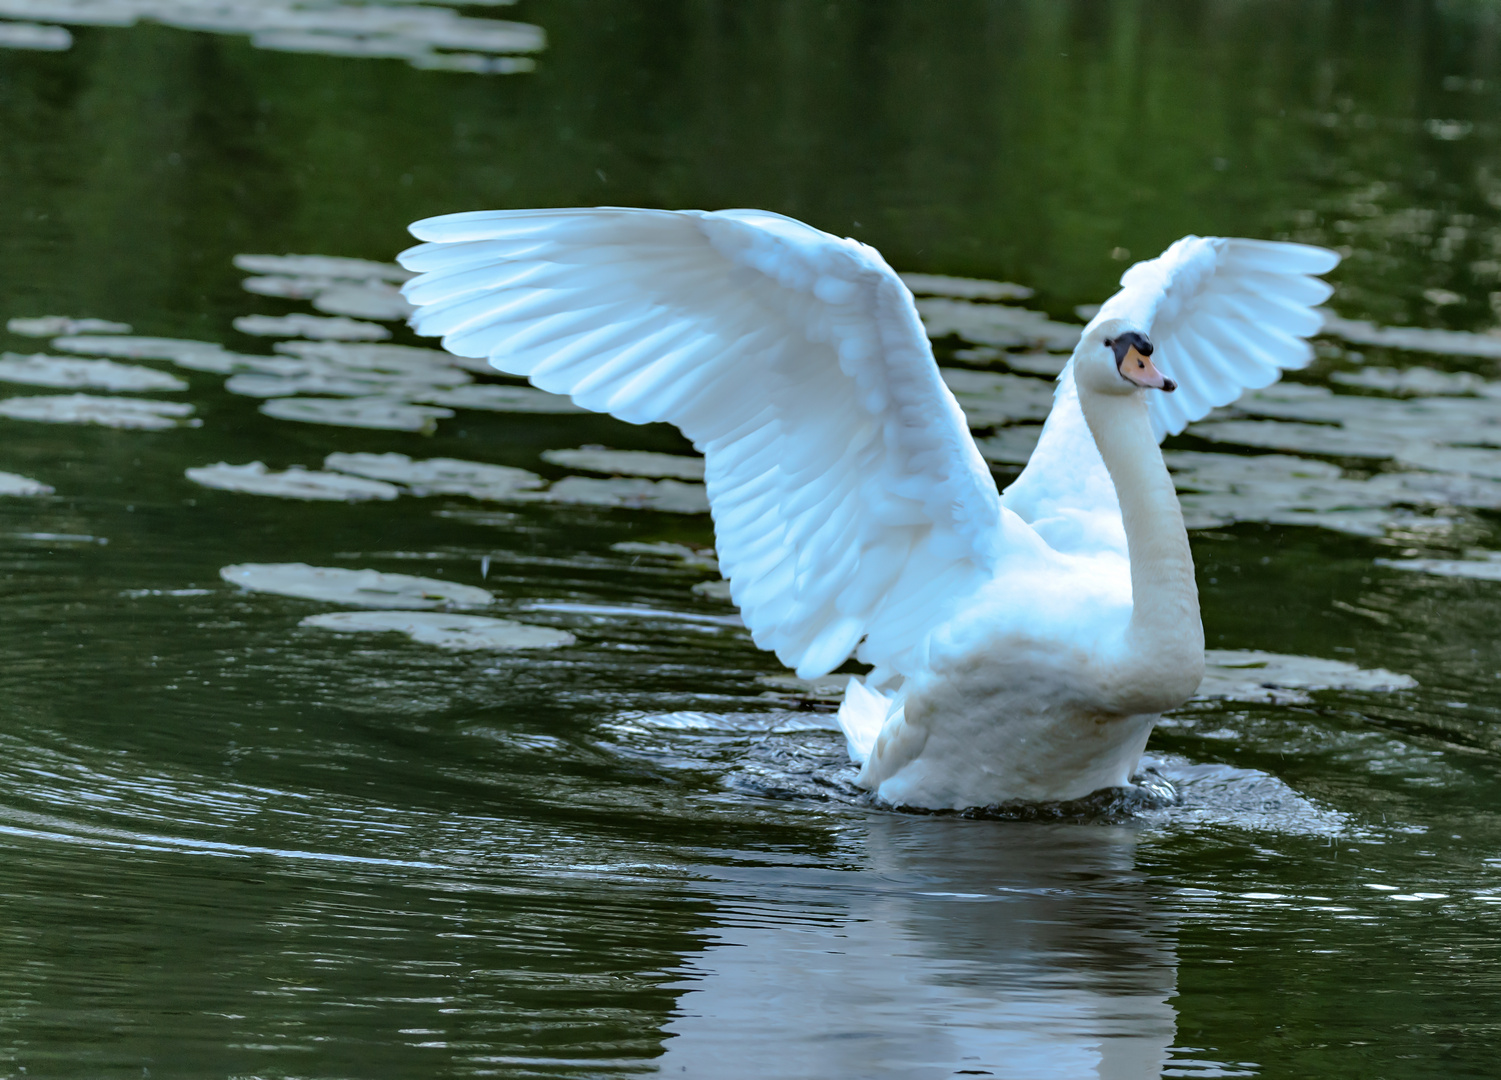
238	848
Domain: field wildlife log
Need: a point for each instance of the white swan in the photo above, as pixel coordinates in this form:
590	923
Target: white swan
1023	644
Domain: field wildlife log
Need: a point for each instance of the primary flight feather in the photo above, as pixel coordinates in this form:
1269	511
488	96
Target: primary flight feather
853	513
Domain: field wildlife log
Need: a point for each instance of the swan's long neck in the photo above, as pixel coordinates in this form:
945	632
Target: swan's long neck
1162	659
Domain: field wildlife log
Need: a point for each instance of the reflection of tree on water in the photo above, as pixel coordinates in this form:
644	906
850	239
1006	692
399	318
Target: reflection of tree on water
1007	950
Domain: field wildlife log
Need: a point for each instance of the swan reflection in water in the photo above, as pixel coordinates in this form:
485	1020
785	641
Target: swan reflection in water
963	947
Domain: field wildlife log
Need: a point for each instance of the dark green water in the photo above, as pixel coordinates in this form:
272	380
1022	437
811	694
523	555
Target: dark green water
230	847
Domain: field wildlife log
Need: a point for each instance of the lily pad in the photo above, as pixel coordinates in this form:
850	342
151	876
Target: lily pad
828	690
1302	438
53	325
1466	461
23	486
501	398
320	327
1213	511
669	496
363	588
344	383
718	589
1441	342
147	348
628	462
294	483
1254	676
374	413
1037	363
1412	382
1299	401
367	301
990	398
681	554
438	476
446	631
995	324
431	365
1010	445
143	414
1439	489
1195	471
1486	566
37	36
40	369
322	267
286	287
963	288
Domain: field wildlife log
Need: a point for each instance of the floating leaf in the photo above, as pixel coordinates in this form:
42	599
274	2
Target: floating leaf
1037	363
1413	382
438	476
143	348
1487	567
431	365
375	413
294	483
15	484
828	690
1254	676
39	369
1195	471
53	325
682	554
990	398
963	288
498	398
670	496
1302	438
628	462
1467	461
368	301
143	414
1441	342
344	383
1439	489
714	590
995	324
364	588
319	327
329	268
422	36
446	631
1010	445
20	35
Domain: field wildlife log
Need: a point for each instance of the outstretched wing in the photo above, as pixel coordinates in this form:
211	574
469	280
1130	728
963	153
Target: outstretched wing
1225	316
849	500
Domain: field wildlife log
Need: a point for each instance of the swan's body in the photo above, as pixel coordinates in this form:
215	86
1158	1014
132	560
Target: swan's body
1022	644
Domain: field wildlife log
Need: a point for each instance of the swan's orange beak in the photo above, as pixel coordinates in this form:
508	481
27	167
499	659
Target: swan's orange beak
1140	370
1133	359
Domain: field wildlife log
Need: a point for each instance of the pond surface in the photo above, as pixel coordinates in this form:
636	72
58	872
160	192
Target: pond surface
247	835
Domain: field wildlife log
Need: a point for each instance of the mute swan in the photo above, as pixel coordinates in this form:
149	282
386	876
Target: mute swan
1022	644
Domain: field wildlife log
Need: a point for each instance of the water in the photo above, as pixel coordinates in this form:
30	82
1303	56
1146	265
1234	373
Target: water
237	846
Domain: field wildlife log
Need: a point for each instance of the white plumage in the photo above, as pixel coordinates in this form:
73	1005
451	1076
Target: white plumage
852	510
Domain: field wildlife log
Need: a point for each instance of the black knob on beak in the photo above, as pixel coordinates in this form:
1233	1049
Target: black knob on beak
1128	341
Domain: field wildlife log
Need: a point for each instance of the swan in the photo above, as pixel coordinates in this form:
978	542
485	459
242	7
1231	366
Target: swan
1021	644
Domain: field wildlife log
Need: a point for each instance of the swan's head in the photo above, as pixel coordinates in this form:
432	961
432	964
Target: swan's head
1116	358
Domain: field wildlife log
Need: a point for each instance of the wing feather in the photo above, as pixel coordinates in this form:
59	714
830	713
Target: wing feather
841	475
1225	315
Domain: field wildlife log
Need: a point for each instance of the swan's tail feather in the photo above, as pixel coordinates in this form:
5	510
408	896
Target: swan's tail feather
862	715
